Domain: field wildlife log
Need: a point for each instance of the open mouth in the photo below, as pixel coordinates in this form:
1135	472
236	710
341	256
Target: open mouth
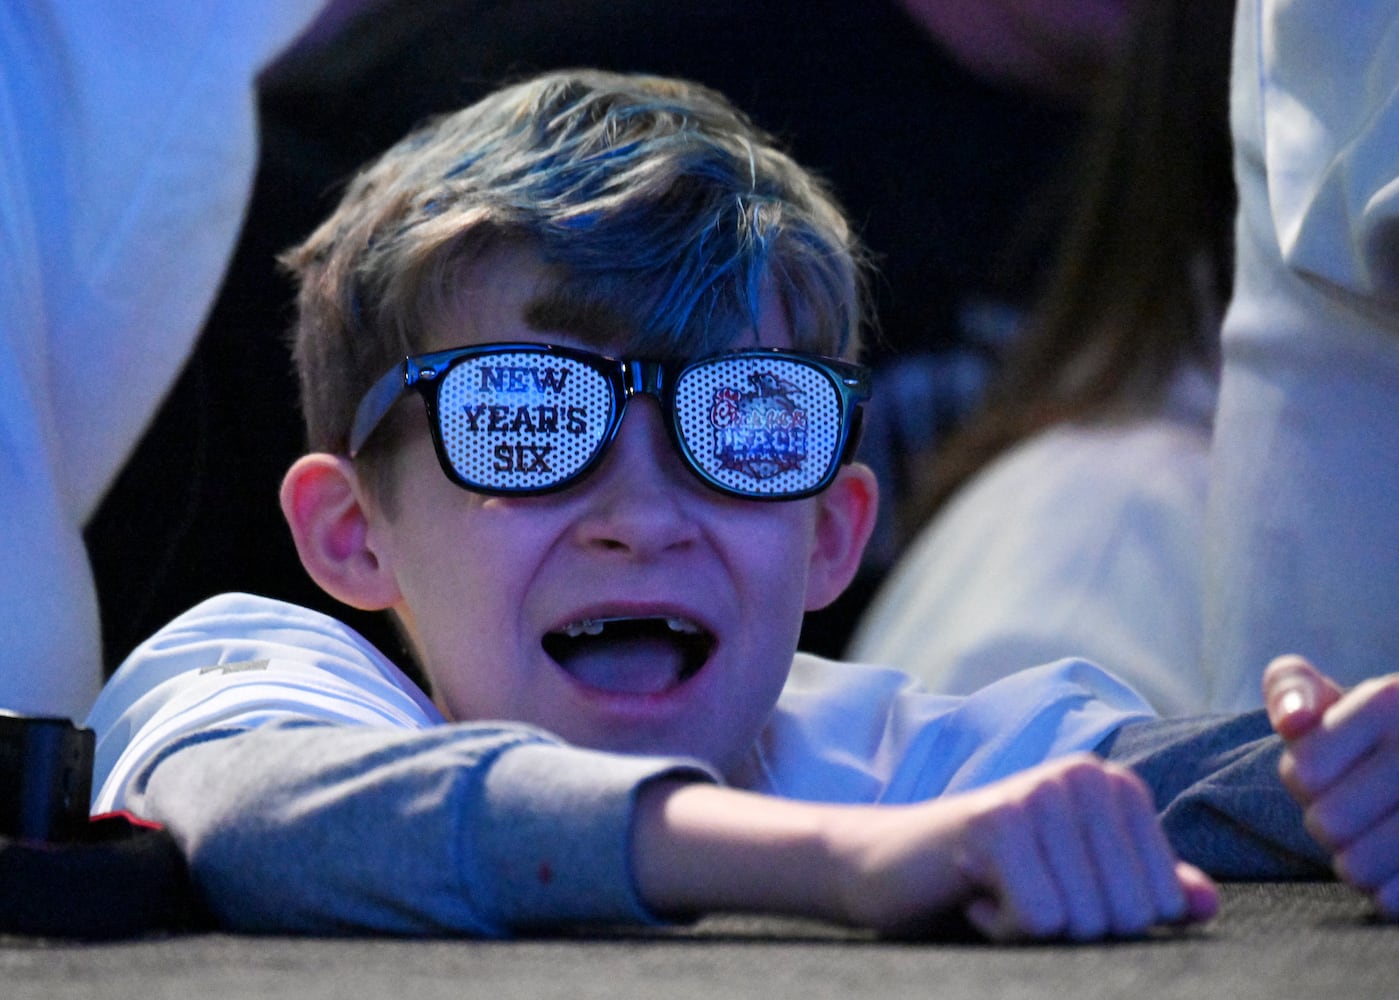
631	655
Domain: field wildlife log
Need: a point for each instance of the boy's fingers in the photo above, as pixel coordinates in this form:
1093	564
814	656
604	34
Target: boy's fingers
1296	695
986	915
1201	894
1025	901
1065	847
1168	892
1125	851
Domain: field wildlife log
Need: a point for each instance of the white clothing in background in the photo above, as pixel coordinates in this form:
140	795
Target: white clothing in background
127	150
1302	536
1083	540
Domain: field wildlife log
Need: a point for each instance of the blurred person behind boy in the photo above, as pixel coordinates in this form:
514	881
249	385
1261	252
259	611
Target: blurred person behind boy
1066	517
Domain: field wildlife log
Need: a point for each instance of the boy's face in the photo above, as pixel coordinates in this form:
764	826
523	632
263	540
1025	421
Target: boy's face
699	595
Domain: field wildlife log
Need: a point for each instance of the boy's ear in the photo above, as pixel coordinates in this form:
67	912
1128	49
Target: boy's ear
845	521
325	508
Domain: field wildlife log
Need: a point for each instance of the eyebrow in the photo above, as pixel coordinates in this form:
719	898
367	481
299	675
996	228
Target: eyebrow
587	318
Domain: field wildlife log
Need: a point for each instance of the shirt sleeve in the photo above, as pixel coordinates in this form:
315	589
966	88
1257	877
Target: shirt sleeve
1215	779
464	829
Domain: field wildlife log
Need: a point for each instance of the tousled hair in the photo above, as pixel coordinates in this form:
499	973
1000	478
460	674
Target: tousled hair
650	200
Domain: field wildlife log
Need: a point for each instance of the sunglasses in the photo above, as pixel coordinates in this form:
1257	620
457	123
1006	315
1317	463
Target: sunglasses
526	419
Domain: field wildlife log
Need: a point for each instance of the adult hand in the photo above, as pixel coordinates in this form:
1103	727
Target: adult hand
1342	765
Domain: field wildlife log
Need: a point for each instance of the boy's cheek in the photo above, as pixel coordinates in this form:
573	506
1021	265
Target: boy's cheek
844	518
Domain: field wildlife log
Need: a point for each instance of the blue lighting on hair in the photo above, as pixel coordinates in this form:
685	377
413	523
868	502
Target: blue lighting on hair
652	198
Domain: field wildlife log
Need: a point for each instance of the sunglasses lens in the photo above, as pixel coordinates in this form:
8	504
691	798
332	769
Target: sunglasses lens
521	421
760	425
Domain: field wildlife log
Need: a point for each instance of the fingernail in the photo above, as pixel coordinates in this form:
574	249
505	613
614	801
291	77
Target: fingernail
1292	701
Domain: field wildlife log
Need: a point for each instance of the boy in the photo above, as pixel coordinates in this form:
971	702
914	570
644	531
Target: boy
601	568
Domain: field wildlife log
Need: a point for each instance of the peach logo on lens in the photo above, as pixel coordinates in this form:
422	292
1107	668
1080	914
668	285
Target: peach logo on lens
761	432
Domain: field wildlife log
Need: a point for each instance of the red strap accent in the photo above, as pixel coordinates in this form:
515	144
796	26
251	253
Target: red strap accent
121	815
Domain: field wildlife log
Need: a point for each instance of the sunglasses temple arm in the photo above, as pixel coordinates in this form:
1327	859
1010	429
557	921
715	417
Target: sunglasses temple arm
376	402
857	431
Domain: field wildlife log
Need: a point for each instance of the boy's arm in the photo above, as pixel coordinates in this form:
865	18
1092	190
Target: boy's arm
1068	849
1342	764
488	830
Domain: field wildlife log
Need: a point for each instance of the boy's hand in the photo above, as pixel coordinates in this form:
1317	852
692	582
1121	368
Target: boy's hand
1342	765
1070	849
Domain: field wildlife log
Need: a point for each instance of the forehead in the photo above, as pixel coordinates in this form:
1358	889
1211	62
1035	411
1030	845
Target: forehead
509	293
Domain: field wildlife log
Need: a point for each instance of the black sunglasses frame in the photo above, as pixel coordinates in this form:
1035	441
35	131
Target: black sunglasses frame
423	374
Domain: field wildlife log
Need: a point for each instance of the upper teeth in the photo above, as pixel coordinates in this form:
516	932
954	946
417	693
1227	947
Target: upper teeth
589	627
594	626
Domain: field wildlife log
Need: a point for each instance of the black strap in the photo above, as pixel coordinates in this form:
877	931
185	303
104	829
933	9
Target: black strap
119	877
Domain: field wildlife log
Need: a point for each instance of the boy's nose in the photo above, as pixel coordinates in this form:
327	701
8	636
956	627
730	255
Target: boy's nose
639	500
